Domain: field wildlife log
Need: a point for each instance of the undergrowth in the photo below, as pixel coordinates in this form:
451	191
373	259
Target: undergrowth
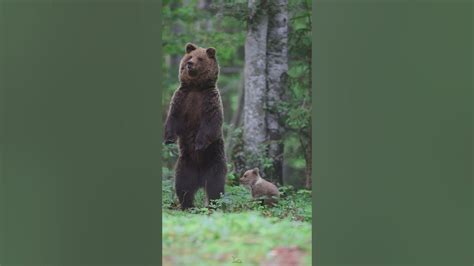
293	204
235	228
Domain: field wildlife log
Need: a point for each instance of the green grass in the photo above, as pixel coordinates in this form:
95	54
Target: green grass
238	230
225	238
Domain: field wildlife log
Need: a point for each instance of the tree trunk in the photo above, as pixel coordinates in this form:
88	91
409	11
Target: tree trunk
309	159
255	81
309	146
277	68
176	29
236	121
204	24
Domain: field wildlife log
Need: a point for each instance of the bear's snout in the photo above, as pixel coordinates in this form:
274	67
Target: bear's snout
191	69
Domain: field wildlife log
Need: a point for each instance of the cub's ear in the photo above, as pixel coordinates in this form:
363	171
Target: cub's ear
190	47
255	171
211	52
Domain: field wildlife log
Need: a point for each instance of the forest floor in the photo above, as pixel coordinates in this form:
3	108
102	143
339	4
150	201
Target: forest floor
239	232
223	238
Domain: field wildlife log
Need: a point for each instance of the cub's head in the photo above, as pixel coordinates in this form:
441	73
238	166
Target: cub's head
250	177
198	66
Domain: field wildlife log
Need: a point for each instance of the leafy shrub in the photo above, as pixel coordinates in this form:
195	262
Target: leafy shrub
167	189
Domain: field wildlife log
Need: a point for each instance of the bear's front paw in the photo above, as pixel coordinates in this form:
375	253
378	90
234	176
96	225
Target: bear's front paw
170	137
170	141
200	144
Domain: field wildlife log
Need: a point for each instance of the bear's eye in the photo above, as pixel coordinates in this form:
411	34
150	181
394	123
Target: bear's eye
200	58
245	175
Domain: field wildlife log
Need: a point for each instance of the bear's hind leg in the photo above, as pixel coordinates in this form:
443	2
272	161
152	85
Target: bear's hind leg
185	193
214	182
186	185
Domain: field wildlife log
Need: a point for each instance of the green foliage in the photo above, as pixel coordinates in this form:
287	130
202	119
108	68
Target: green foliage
261	160
169	154
232	176
168	194
297	107
293	204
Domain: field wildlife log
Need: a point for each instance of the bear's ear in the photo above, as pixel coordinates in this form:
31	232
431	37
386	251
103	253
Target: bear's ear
255	171
211	52
190	47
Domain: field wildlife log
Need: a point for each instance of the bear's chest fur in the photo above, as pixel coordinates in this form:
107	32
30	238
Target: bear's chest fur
193	110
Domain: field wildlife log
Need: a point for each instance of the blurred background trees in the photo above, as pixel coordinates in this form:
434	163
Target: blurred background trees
264	52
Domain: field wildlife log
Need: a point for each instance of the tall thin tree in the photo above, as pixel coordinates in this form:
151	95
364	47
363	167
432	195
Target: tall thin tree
277	68
255	79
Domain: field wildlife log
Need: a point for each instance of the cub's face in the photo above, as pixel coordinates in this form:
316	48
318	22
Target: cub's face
250	177
198	65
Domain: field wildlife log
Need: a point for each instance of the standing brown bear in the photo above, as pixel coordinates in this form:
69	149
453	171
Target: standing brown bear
195	120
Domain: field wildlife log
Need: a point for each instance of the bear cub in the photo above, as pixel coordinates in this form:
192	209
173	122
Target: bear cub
195	121
259	187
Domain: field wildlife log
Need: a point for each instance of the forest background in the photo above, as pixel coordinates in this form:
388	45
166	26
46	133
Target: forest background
264	53
266	111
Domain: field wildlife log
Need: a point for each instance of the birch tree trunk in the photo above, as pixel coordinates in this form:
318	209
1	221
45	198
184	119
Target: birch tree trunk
255	80
277	68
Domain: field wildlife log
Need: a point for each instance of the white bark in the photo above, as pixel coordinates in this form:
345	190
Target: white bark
277	68
255	78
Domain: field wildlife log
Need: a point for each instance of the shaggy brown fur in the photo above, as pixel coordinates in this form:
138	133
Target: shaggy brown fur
259	187
195	120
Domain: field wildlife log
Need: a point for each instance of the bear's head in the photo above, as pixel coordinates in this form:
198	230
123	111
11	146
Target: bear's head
198	67
250	177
